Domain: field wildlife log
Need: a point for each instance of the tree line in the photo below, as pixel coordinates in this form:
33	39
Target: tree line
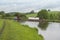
43	14
48	15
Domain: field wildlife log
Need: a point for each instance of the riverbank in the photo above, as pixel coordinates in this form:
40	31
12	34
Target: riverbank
53	20
37	19
15	31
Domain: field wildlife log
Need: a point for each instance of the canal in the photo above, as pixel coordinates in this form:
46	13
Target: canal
49	30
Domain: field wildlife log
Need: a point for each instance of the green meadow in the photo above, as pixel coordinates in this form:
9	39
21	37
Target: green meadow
15	31
1	23
32	15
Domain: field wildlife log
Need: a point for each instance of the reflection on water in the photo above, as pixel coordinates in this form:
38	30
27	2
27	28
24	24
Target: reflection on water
43	25
50	30
30	23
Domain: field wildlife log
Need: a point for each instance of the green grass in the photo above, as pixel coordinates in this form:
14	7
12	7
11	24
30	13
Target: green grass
15	31
32	15
1	23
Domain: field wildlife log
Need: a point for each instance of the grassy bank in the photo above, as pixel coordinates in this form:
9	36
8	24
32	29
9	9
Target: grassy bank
15	31
53	20
48	20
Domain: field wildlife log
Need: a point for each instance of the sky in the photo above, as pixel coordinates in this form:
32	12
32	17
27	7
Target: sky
28	5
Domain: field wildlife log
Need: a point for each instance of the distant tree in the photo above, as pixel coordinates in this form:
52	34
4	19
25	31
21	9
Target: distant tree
2	12
7	15
58	15
16	14
49	10
43	14
21	17
32	11
51	16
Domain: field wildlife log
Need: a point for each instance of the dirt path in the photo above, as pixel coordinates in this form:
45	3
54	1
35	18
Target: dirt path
2	29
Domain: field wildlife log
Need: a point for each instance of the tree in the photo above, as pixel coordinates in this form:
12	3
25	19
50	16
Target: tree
58	15
2	12
20	17
43	14
7	15
32	11
51	17
49	10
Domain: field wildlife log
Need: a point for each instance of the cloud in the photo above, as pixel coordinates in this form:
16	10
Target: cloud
28	5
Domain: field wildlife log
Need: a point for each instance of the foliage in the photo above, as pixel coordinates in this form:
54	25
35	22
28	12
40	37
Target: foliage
43	14
49	10
58	16
53	15
2	12
32	12
21	16
7	15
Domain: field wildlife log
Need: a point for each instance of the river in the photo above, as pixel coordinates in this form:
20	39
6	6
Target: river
49	30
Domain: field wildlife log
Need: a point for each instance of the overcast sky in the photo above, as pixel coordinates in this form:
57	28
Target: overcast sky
28	5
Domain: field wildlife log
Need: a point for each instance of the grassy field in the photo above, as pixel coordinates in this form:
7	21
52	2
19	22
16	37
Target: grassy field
1	23
15	31
32	15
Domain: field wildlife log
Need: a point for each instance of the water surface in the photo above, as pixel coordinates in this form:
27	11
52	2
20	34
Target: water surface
49	30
